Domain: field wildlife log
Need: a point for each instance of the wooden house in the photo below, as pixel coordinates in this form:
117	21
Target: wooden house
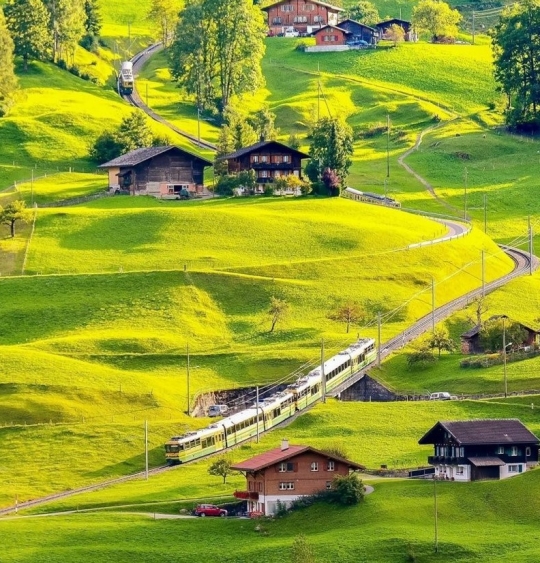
287	473
471	450
165	172
470	340
359	32
330	35
269	159
303	15
405	25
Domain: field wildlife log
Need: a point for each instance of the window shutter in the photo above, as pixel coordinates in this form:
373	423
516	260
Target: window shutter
295	467
277	467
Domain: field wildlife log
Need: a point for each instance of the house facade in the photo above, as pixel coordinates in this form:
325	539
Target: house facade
405	25
285	474
303	15
166	172
473	450
330	35
269	160
359	32
471	344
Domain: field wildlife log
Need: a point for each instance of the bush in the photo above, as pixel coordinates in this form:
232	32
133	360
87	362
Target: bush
105	148
90	43
347	489
301	45
226	185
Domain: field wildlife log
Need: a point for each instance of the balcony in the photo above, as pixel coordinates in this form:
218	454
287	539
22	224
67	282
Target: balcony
273	166
447	460
246	495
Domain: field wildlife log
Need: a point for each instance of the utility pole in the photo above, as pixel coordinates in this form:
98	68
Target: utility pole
379	339
530	246
433	304
257	402
146	448
485	214
483	276
32	189
187	373
323	375
504	357
147	94
198	123
465	196
436	517
388	145
473	22
318	101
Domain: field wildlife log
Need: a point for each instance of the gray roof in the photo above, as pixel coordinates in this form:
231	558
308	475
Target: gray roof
486	461
483	431
137	156
257	146
357	23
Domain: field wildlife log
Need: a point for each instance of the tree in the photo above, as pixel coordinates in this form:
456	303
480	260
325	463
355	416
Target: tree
217	50
28	23
347	489
294	141
301	551
480	308
331	182
278	310
13	212
440	340
516	50
164	14
491	335
365	12
436	18
422	357
331	147
66	25
221	467
92	18
349	313
263	124
225	145
395	33
8	80
106	147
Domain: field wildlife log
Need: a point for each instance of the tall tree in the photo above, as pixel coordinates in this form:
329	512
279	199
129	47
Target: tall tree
516	50
92	18
164	15
331	147
436	18
217	50
263	124
134	132
365	12
28	23
277	311
8	80
66	23
440	340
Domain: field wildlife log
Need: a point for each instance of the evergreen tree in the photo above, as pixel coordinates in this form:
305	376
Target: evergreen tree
92	21
8	80
134	132
262	123
28	23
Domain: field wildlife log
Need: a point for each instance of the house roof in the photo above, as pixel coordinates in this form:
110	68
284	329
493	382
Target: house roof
393	20
257	146
472	332
277	455
486	461
357	23
482	431
328	26
137	156
318	2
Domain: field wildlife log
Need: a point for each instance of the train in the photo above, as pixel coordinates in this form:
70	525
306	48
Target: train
370	197
273	410
126	82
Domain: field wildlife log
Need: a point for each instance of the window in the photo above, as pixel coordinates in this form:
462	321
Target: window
264	173
513	469
285	158
276	21
264	158
514	451
286	486
286	7
314	466
283	467
328	485
500	450
318	19
459	470
255	158
259	487
309	7
331	465
527	451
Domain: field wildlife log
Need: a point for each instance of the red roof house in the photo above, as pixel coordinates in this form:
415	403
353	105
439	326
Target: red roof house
302	15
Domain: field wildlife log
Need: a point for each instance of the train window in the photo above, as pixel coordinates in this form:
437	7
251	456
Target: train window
277	412
314	389
198	442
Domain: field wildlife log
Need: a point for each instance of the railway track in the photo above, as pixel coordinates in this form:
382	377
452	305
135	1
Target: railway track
135	100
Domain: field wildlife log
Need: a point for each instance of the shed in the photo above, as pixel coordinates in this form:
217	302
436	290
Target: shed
359	32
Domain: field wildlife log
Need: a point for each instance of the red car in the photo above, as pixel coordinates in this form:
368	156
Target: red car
203	510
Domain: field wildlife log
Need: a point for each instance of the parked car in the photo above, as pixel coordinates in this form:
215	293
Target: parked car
440	396
203	510
290	32
217	410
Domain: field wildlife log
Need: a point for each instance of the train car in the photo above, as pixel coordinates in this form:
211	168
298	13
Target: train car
126	82
370	197
273	410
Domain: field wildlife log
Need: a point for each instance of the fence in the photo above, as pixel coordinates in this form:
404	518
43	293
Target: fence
77	200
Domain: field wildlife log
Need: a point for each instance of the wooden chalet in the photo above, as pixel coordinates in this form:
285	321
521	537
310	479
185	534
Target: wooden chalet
331	35
470	340
166	172
303	15
405	25
269	160
359	32
471	450
287	473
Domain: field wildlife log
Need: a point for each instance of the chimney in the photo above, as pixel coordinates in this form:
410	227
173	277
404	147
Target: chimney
284	445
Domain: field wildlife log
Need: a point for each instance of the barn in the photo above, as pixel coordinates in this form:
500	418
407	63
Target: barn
166	172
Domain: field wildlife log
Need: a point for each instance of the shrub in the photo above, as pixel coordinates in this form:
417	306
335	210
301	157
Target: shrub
301	45
347	489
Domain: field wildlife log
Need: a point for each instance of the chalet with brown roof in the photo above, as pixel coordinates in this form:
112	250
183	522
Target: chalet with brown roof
287	473
166	172
472	450
330	35
470	340
303	15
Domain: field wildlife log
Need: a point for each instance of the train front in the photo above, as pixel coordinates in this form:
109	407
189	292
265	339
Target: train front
172	450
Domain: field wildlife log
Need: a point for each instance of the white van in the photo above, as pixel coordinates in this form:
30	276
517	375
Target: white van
290	32
217	410
441	396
